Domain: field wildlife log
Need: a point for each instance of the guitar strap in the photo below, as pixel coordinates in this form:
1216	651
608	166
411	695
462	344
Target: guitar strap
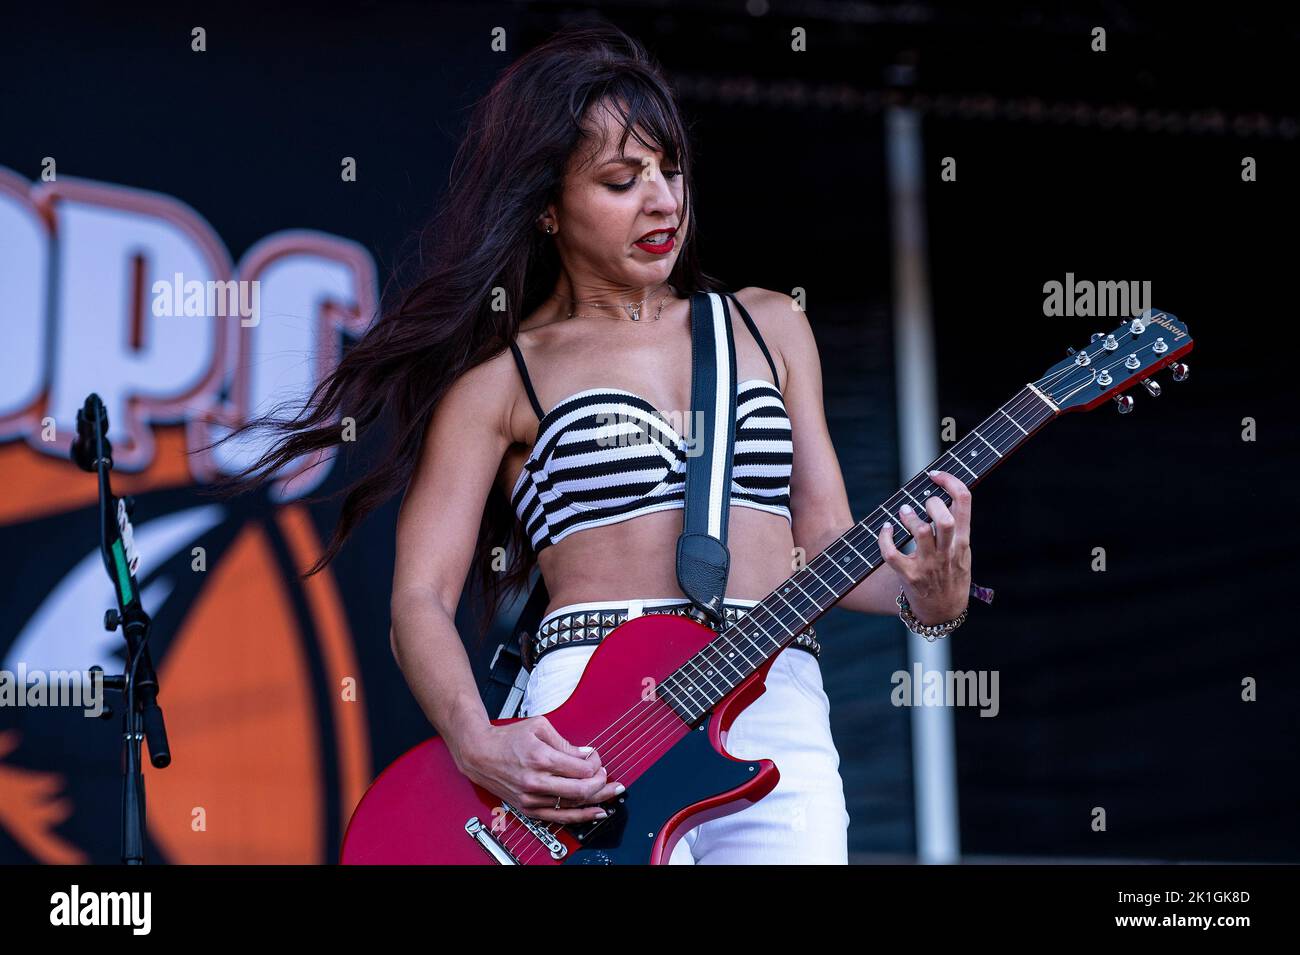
703	561
503	689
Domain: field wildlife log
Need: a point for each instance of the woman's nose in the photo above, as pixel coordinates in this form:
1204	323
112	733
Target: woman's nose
660	195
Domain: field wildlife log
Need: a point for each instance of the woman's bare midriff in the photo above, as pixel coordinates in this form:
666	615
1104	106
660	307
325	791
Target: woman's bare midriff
638	558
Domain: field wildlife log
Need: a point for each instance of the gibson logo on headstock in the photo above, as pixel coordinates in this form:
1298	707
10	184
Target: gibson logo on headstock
1164	322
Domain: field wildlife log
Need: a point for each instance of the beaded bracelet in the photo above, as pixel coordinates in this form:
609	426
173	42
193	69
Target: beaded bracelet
931	632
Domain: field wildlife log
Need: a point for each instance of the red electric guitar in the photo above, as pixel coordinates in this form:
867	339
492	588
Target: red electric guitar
659	693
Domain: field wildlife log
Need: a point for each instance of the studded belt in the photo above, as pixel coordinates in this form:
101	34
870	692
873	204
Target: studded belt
592	626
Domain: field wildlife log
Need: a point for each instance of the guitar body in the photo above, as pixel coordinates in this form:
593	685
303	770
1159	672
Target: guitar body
421	810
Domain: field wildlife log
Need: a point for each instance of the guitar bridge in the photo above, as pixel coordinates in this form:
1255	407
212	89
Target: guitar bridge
482	834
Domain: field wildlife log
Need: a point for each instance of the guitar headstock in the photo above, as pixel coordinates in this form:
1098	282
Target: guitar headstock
1111	364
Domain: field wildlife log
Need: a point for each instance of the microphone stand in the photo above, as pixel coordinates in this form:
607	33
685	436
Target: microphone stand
143	718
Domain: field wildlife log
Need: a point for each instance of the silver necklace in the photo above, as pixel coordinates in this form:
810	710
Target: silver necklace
633	308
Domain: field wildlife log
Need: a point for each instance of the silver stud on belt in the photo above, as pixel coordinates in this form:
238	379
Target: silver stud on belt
578	629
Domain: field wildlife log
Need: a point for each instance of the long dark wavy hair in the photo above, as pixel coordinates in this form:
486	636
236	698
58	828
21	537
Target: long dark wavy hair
508	167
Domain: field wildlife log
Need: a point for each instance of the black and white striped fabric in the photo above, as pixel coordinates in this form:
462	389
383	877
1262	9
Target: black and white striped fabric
605	455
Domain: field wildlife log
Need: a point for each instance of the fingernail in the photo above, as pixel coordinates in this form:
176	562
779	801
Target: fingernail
586	750
619	788
906	508
602	815
887	526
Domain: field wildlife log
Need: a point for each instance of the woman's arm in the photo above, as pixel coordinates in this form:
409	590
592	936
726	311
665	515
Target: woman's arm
527	762
932	577
437	527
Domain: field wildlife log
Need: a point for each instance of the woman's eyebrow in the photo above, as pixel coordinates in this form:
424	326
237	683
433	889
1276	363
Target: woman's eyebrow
626	161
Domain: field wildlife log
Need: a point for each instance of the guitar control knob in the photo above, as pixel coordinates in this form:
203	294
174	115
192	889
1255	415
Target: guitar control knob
1124	403
1179	370
1132	360
1152	388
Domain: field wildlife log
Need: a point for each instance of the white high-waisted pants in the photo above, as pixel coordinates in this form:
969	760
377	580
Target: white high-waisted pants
803	820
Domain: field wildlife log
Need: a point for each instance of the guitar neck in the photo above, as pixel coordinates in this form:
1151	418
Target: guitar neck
772	624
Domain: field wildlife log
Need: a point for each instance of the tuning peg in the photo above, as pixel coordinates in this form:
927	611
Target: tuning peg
1124	403
1152	388
1179	370
1069	351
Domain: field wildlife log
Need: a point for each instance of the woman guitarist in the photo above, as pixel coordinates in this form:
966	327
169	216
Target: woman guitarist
553	320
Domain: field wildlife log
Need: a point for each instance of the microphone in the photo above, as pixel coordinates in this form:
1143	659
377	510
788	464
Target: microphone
92	419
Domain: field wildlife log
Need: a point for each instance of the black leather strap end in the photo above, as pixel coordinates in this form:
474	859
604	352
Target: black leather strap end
703	563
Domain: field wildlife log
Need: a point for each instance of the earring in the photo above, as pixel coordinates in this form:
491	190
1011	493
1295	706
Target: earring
548	230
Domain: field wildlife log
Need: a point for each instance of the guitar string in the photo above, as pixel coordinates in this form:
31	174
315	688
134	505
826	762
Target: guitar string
662	715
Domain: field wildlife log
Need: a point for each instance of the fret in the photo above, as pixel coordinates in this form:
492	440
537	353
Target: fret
837	565
693	695
819	580
701	673
860	557
959	461
724	658
919	507
808	569
1015	422
688	712
991	448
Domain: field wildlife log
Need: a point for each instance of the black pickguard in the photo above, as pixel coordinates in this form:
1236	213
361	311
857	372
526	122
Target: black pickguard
688	773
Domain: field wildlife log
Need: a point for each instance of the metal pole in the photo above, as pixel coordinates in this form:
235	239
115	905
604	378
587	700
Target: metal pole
933	751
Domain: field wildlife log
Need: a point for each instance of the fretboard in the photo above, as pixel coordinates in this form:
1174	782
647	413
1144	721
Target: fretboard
772	624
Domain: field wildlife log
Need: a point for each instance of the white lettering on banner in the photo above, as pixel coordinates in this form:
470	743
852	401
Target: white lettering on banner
79	263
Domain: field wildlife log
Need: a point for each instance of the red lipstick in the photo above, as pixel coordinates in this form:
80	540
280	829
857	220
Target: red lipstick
666	243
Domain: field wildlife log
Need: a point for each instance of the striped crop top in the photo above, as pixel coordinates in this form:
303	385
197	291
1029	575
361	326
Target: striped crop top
606	455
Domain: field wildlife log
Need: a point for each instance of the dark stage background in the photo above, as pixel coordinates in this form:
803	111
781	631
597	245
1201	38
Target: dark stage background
1120	689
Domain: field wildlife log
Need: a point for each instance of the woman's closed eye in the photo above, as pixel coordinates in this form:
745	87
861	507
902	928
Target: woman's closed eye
624	186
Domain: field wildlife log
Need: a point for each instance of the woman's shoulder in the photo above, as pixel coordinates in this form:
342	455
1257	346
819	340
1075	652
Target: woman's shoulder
765	300
775	313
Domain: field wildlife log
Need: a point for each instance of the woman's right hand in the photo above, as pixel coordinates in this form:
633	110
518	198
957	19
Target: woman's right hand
528	763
